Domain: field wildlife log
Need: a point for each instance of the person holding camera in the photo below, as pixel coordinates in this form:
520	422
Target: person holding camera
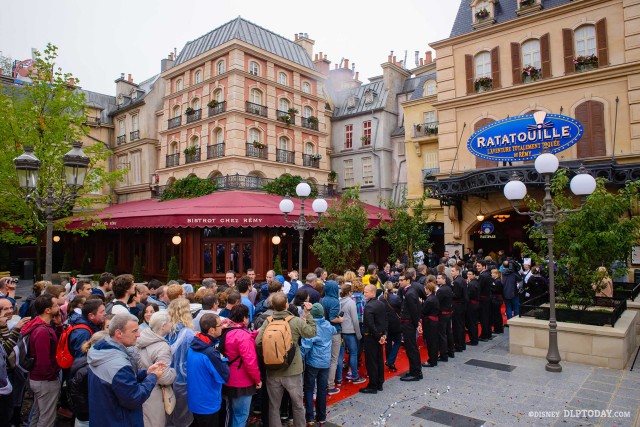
8	289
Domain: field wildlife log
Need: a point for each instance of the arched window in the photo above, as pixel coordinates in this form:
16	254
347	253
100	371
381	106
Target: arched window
221	67
255	135
254	68
283	143
282	78
307	112
195	104
198	77
483	65
283	104
176	111
306	87
218	136
531	53
593	142
429	88
194	141
482	163
173	148
585	40
309	148
217	95
178	85
255	96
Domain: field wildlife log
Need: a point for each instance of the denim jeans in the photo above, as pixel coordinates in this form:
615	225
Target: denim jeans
315	379
239	407
394	342
351	342
512	305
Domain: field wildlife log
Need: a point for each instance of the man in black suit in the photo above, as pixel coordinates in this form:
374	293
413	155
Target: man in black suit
460	302
485	281
445	298
410	315
375	335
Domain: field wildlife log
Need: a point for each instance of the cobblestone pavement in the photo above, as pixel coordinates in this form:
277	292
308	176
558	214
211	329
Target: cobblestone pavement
459	394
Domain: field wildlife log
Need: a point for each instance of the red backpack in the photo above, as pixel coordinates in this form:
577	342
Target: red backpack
63	354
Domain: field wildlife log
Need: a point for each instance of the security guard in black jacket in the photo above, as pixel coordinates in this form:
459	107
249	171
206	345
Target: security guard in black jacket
430	319
445	297
473	288
410	315
375	335
485	281
460	302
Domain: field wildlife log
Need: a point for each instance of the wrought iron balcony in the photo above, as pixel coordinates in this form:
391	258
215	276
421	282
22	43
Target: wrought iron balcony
285	117
173	160
428	174
284	156
257	151
135	135
310	160
121	139
215	151
425	129
220	108
308	123
194	116
192	157
257	109
175	122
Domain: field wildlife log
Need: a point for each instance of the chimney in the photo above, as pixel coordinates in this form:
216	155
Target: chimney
295	37
122	76
357	75
429	58
167	63
421	61
346	63
389	58
322	64
130	79
394	59
315	57
417	55
303	40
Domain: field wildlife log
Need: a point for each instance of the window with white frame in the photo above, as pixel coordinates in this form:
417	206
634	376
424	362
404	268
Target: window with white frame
348	136
255	96
134	123
121	128
178	85
198	77
283	143
135	171
429	88
429	117
307	112
176	111
217	95
531	53
306	87
348	173
309	148
366	132
283	104
367	171
255	135
483	64
221	67
195	141
173	148
218	136
431	162
254	68
282	78
585	40
195	104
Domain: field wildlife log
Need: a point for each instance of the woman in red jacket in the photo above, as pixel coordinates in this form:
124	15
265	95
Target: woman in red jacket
244	375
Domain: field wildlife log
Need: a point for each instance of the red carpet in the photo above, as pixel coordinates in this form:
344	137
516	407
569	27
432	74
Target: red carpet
402	363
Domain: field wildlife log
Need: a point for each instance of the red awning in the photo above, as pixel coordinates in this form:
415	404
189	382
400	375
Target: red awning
219	209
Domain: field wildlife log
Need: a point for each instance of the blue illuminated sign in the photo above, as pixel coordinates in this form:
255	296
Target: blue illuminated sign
525	137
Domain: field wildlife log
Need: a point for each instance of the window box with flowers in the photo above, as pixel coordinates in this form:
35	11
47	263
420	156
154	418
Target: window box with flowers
189	111
482	14
285	118
316	156
483	84
586	62
531	74
258	144
190	151
213	103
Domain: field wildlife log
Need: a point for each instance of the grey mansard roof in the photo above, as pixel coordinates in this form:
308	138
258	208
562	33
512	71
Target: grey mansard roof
342	97
505	11
248	32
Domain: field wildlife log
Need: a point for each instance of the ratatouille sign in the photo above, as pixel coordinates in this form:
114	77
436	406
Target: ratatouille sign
525	137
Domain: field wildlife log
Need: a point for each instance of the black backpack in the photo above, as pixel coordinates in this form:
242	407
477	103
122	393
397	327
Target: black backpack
222	344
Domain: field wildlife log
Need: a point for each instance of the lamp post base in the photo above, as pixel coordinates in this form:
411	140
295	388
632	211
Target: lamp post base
553	367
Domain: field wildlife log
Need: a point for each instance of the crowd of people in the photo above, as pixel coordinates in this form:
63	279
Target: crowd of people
173	354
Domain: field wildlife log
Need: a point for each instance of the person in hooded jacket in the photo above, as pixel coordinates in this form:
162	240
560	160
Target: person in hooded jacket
510	290
316	354
152	348
207	373
93	314
78	382
331	306
351	335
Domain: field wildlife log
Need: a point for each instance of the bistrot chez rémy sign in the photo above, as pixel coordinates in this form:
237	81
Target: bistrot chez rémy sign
525	137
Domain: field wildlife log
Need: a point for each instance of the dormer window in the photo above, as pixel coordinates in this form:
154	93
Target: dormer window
351	101
134	94
483	12
369	95
119	100
526	6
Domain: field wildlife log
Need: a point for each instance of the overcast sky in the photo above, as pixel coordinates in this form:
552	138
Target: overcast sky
98	40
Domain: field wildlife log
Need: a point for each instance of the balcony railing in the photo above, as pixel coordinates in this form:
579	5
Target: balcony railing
192	157
257	109
175	122
194	116
135	135
309	124
310	160
428	174
257	152
121	139
215	151
285	117
284	156
220	108
173	160
425	129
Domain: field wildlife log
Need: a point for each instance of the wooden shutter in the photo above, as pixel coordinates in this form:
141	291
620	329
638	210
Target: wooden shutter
468	69
601	42
545	55
516	63
567	45
482	163
495	67
592	143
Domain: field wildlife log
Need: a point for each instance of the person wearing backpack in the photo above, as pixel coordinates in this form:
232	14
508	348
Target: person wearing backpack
84	326
44	377
285	376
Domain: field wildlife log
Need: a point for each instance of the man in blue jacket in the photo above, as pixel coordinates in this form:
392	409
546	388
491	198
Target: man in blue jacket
93	314
116	386
207	371
331	305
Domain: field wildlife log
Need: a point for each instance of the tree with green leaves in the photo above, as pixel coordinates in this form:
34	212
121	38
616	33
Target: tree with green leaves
137	269
407	230
172	271
600	234
343	236
188	188
48	115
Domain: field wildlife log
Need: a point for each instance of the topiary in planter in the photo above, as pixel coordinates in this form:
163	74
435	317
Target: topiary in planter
110	264
277	265
84	267
172	272
66	262
137	270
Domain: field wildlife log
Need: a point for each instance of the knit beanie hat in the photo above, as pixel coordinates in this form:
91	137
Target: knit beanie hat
317	312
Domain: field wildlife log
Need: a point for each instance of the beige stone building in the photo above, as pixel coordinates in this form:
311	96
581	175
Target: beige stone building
576	58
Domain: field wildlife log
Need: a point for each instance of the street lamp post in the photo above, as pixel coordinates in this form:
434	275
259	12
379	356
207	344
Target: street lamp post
302	223
581	185
75	171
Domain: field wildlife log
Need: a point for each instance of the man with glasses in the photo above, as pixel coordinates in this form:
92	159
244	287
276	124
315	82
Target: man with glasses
410	315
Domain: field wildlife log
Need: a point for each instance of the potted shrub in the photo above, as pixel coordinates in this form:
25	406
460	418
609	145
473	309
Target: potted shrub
316	156
190	151
285	119
482	14
213	103
586	62
483	83
418	127
312	120
332	176
172	270
258	144
109	266
189	111
292	112
531	73
526	3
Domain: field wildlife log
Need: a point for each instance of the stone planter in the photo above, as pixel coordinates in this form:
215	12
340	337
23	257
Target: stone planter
602	346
